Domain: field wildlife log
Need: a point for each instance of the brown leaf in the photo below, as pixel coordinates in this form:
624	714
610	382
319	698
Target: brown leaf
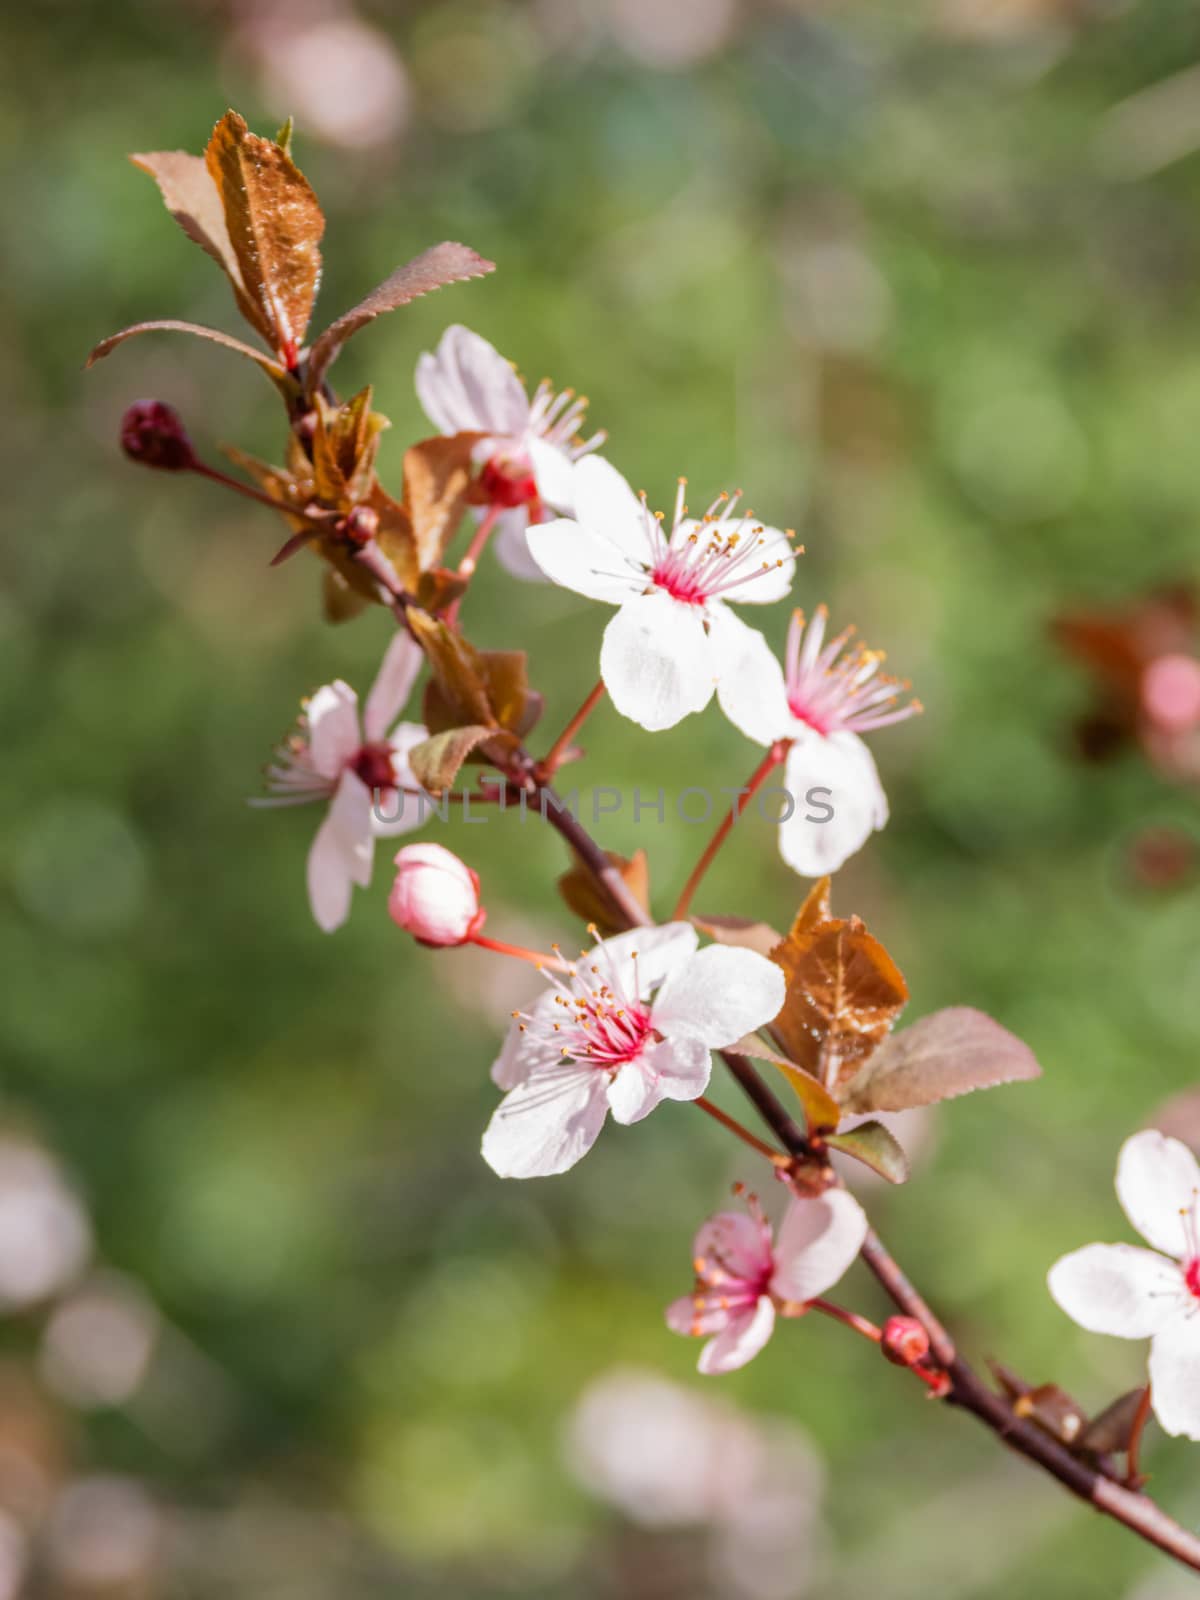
345	444
339	602
437	761
843	992
395	537
876	1147
170	325
821	1111
458	677
438	588
592	902
1054	1411
433	269
741	932
437	475
1112	1430
193	199
506	676
275	226
946	1054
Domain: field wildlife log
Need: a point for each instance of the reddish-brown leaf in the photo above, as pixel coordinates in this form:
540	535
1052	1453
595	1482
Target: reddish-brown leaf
592	902
274	224
946	1054
741	932
170	325
433	269
437	474
339	602
843	992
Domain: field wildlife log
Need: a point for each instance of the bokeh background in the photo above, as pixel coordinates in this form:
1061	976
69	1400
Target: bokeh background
926	280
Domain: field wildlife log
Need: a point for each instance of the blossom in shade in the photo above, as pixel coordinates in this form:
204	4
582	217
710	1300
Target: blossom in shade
529	446
826	695
627	1026
673	637
331	757
435	896
744	1275
1153	1294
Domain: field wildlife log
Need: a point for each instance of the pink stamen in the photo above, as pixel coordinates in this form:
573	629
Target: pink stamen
830	690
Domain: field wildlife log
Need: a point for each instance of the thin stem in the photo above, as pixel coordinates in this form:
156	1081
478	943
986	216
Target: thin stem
552	760
246	489
470	560
555	963
1133	1475
849	1319
744	1134
754	783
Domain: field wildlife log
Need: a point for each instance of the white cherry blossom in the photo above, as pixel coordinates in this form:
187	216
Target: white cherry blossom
744	1274
1154	1294
673	636
530	447
820	704
629	1025
331	757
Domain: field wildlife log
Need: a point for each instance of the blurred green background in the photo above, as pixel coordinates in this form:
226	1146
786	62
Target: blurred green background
924	279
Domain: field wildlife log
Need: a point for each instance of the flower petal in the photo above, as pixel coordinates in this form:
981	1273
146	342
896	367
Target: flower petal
406	807
342	853
740	1341
694	1318
525	1052
546	1124
333	736
1119	1289
1157	1184
818	1240
829	774
670	1070
578	558
468	386
393	684
512	551
1175	1376
657	662
640	960
720	995
737	1242
606	504
750	683
554	473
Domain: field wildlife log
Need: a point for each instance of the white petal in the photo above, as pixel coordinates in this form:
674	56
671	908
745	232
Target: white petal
817	1243
333	736
1175	1375
526	1052
739	1241
670	1070
657	662
512	551
1157	1184
740	1341
554	473
658	951
750	683
720	995
1116	1288
578	558
402	808
468	386
547	1123
393	684
341	854
606	504
823	774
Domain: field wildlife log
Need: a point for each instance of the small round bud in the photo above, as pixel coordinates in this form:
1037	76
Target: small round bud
360	524
1171	693
153	434
435	896
904	1341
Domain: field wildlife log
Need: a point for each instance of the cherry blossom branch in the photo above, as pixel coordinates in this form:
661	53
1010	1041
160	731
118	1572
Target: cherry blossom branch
755	782
479	539
775	1157
553	758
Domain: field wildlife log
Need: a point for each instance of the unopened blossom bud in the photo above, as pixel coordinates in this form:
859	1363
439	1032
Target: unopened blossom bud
904	1342
1171	693
153	434
435	896
360	524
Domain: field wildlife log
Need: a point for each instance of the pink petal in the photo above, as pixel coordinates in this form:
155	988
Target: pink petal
342	853
740	1341
468	386
734	1243
393	684
333	736
817	1243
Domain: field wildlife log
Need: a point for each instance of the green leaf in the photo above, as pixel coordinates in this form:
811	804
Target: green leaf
433	269
875	1147
284	137
946	1054
437	762
742	933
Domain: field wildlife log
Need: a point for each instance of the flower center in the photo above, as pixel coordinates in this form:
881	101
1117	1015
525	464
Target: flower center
599	1027
373	764
701	559
1191	1276
812	718
508	481
831	687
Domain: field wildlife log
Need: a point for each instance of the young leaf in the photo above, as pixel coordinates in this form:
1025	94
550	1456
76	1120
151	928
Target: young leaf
460	698
843	992
591	901
433	269
1054	1411
1111	1431
875	1147
170	325
395	538
437	762
742	933
275	226
948	1053
438	588
506	677
339	602
193	199
437	476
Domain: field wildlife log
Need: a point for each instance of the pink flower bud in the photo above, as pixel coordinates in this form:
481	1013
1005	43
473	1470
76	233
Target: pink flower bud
904	1341
360	524
435	896
153	434
1171	693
